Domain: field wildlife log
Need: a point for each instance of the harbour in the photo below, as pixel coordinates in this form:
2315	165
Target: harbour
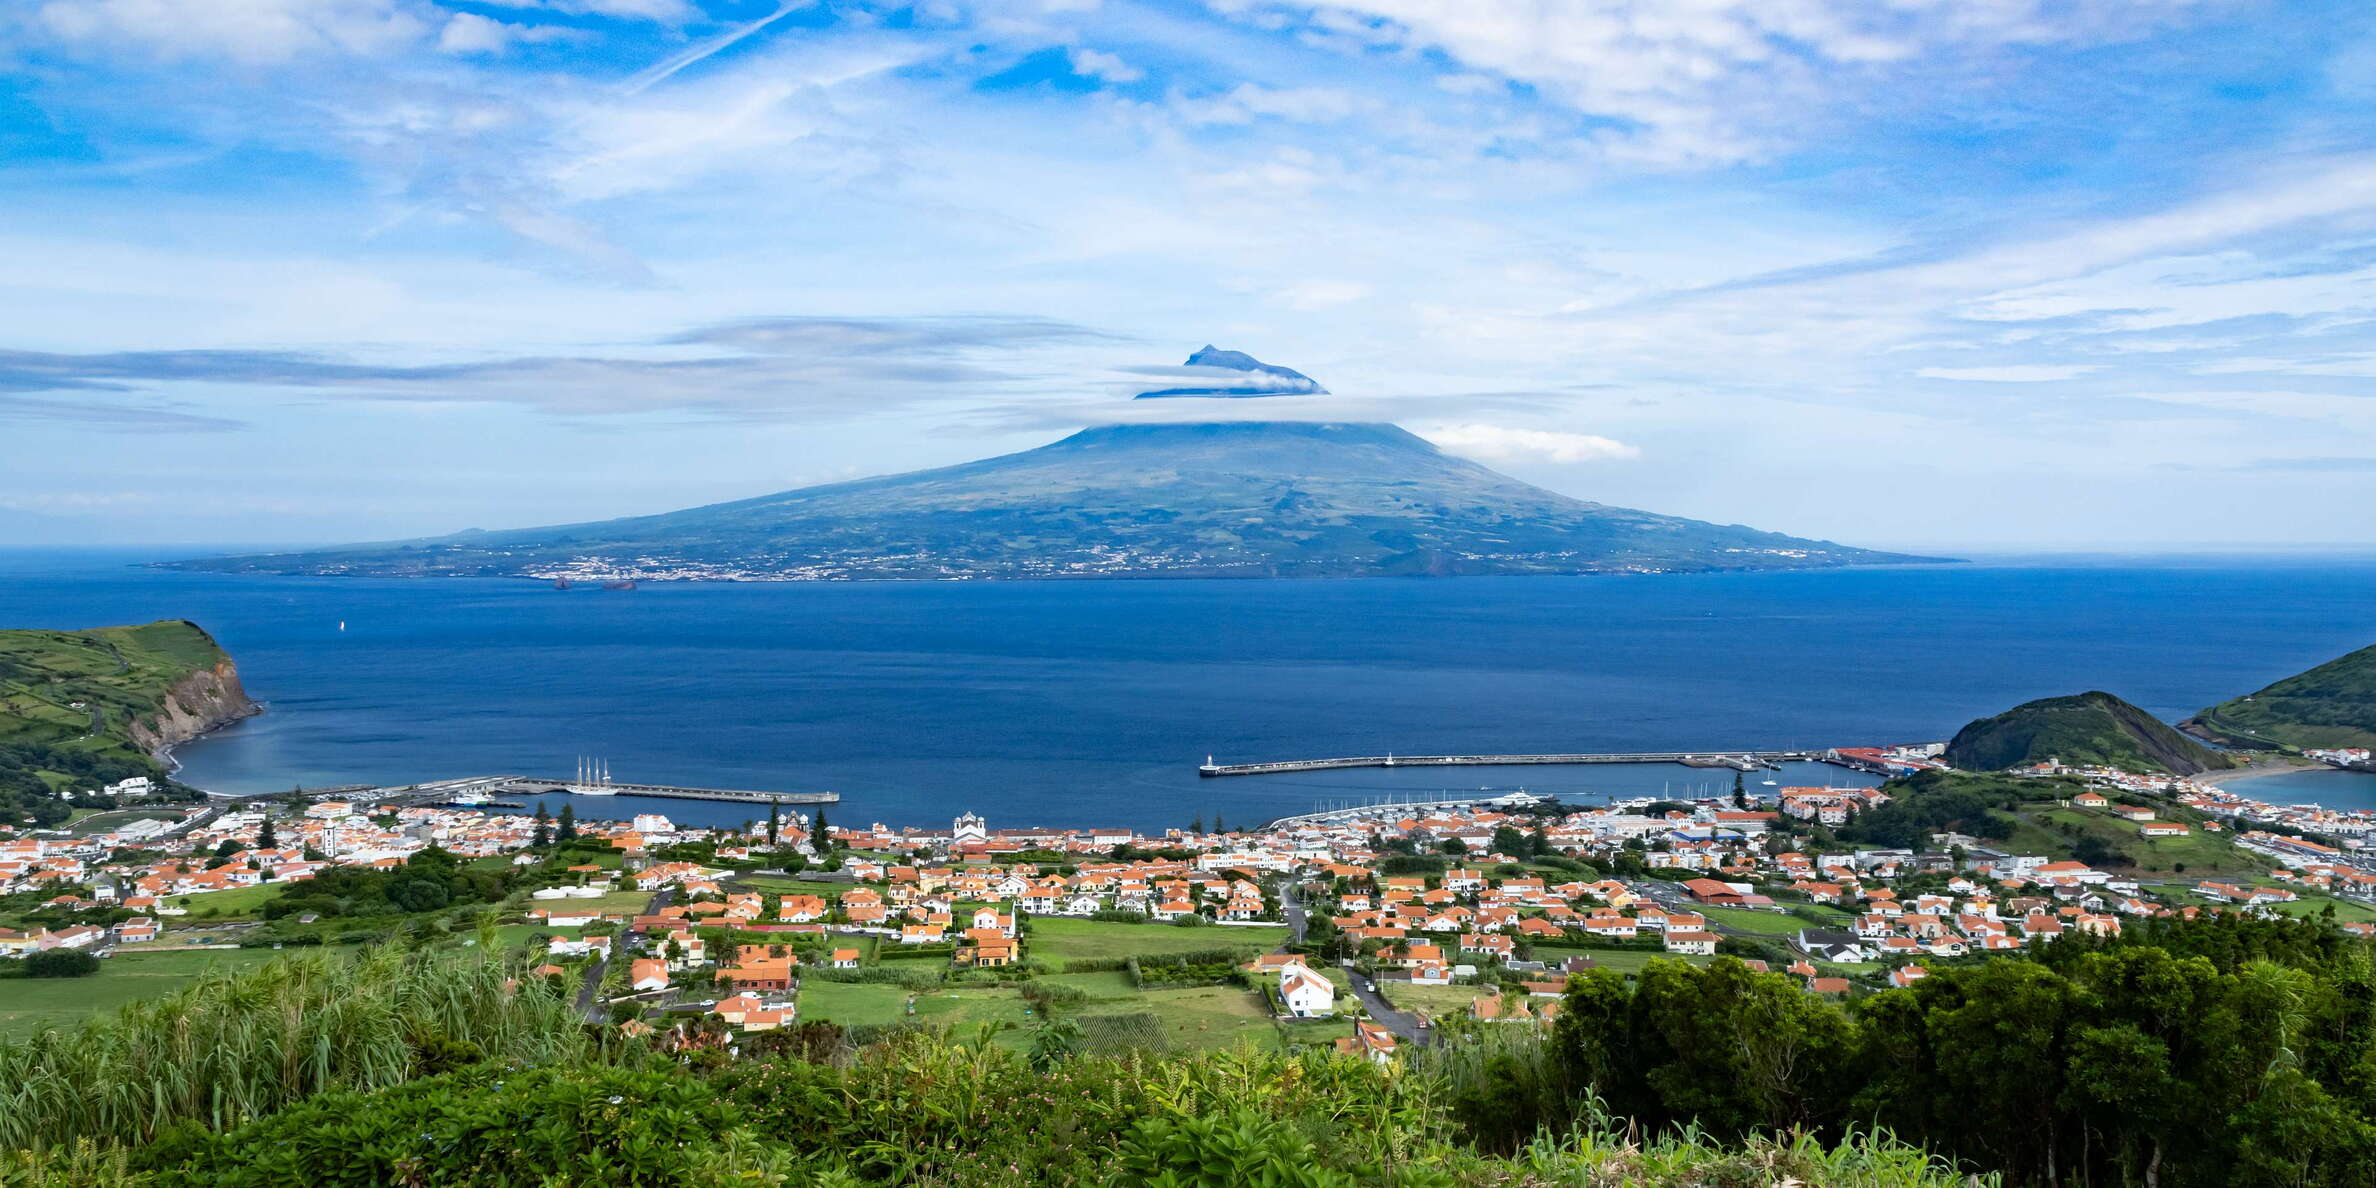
496	791
1744	761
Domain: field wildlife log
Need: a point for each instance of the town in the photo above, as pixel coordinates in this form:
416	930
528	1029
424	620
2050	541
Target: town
1367	929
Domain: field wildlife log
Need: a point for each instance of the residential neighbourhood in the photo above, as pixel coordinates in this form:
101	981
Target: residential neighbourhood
1326	928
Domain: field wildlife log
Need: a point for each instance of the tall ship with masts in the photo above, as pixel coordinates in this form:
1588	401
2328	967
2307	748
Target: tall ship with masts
593	778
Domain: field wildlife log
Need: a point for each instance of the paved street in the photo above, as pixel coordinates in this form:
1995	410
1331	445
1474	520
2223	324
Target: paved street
1403	1024
589	1001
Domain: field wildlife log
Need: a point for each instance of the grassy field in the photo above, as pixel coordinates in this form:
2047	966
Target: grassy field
1763	923
613	903
2310	904
1435	1001
1213	1017
853	1004
781	885
30	1004
2346	911
2196	855
87	822
1200	1018
58	685
1057	941
1103	987
239	903
1624	961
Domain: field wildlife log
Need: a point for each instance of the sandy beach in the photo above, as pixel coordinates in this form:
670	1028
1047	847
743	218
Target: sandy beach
2259	769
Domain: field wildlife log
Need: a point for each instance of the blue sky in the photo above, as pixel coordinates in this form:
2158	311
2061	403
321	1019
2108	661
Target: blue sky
1943	273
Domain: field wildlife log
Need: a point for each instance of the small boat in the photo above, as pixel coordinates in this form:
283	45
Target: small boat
1768	783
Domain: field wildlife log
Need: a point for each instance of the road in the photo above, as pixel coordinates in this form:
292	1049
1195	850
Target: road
590	1006
1403	1024
1293	909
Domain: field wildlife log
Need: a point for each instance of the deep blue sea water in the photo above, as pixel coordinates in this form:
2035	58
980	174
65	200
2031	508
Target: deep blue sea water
1093	702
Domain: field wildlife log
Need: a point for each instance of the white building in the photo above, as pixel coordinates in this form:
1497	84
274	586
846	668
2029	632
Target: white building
1307	994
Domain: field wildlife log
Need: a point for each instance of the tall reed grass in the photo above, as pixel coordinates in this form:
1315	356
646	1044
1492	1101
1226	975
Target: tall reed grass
237	1046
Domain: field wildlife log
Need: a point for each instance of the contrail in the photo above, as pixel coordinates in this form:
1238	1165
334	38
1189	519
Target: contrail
661	72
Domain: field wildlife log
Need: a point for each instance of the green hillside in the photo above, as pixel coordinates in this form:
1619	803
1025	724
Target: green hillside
2332	705
2082	729
79	709
2022	815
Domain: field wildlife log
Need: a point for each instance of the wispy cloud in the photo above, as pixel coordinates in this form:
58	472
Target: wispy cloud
111	415
771	368
2010	373
1502	443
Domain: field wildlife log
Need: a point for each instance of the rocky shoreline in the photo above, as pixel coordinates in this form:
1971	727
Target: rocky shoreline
198	704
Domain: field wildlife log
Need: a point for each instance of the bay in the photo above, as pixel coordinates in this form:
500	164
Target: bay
1092	703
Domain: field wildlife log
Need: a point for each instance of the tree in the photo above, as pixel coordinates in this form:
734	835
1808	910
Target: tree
1218	827
61	963
820	833
1197	825
775	820
568	829
1740	792
1507	840
226	848
266	839
544	828
421	894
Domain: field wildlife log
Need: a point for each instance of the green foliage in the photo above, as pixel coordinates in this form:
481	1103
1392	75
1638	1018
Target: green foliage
1940	801
1239	1149
1208	967
61	963
926	1109
2332	705
71	703
2152	1056
431	880
237	1046
2082	729
582	1125
1127	1031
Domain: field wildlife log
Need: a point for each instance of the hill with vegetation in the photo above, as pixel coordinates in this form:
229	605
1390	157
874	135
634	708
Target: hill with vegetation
82	709
2029	815
1240	499
2082	730
2330	706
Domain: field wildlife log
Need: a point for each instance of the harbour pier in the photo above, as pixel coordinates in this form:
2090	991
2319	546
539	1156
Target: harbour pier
1736	760
530	786
502	790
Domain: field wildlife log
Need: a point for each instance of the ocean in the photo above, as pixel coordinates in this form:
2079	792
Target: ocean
1092	703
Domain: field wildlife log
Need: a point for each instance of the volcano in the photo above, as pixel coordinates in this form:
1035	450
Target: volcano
1231	499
